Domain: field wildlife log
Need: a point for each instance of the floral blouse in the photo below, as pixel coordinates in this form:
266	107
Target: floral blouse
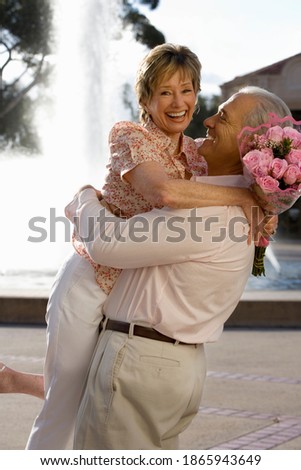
131	144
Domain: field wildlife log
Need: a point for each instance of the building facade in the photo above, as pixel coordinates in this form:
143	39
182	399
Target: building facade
282	78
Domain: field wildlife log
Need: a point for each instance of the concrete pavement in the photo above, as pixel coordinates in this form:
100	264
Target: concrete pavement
252	397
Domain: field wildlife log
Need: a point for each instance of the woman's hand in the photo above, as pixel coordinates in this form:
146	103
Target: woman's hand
254	215
266	228
110	207
270	226
70	209
261	224
113	209
87	186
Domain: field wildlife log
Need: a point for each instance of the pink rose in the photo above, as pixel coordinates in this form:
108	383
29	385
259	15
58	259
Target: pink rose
275	134
292	134
268	152
294	157
278	167
267	156
256	162
267	183
291	174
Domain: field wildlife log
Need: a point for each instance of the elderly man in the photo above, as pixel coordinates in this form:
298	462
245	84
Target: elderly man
184	273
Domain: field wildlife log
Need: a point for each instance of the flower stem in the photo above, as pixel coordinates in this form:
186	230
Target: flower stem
258	263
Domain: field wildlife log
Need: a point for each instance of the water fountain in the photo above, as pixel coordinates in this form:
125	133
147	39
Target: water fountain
87	89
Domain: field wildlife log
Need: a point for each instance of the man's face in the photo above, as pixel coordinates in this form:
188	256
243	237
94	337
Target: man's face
220	147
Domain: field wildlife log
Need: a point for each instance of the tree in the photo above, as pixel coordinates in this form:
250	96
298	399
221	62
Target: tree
143	30
24	43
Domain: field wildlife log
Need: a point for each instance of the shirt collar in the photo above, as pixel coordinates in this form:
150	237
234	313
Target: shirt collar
163	140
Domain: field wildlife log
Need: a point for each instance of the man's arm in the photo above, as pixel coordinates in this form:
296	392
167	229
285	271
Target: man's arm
154	238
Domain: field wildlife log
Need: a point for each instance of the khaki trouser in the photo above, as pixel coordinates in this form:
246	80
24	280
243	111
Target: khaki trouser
141	393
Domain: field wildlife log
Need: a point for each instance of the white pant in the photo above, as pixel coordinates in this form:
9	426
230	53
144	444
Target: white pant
73	316
141	393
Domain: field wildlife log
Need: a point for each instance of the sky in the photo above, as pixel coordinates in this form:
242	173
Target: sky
231	37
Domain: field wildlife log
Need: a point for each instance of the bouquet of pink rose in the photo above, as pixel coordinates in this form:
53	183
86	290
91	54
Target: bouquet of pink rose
271	156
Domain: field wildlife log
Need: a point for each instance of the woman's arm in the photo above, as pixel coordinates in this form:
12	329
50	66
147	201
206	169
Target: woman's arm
134	155
150	180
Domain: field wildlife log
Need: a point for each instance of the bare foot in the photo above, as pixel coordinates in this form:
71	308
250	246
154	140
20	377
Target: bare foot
14	381
6	379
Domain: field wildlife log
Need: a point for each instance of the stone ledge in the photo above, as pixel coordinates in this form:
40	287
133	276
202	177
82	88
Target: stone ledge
266	314
23	310
256	310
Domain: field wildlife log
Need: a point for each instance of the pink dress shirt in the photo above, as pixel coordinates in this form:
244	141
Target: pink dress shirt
184	271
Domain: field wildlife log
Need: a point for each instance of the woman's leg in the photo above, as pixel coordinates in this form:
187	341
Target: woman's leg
14	381
73	316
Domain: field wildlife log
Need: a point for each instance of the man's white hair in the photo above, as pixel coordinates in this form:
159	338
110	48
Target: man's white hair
267	103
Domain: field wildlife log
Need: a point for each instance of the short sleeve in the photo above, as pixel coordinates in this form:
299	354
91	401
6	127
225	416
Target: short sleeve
130	145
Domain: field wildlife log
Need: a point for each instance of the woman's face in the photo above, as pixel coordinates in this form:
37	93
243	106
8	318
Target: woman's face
172	104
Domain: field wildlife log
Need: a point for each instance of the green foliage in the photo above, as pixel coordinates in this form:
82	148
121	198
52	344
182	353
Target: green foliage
151	3
281	149
144	32
17	128
29	21
25	41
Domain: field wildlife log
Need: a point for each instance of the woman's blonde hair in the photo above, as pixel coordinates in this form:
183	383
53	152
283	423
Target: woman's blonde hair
162	62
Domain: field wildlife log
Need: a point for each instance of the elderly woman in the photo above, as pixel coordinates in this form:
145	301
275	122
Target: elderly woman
150	166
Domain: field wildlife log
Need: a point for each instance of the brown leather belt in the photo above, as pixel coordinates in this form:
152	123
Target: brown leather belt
139	330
